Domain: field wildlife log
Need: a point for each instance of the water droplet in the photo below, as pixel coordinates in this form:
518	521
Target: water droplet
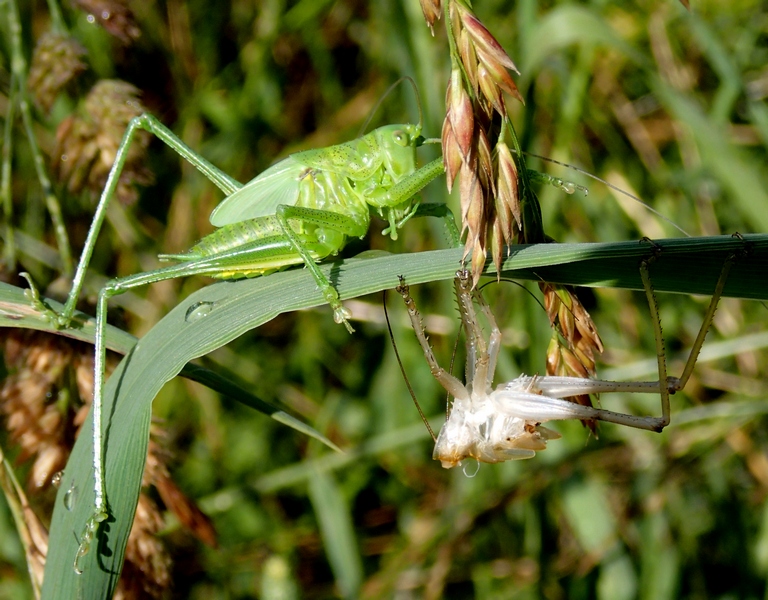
198	310
91	19
56	479
105	15
467	473
70	496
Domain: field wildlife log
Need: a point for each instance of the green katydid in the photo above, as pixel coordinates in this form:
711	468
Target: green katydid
300	210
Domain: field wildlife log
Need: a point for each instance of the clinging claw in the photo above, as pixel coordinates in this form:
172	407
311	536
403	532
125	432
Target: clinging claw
33	295
341	314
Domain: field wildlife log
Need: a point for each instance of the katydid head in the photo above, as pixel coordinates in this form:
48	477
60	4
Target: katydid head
397	146
399	142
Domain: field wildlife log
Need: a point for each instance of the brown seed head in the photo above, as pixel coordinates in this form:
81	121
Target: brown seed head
507	190
87	142
468	58
432	12
451	153
37	363
485	163
491	91
460	113
56	61
484	40
499	75
575	327
146	573
564	363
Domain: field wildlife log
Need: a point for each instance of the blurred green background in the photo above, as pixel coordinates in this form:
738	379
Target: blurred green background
665	103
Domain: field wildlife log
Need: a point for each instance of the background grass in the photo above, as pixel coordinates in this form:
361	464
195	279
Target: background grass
662	102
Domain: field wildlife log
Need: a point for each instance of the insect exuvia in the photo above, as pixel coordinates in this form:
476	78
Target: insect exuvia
495	425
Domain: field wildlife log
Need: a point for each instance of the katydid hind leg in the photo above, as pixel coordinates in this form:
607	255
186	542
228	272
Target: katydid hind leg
668	385
210	265
100	509
148	123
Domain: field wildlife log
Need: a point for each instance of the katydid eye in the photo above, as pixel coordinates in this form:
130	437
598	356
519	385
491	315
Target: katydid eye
400	137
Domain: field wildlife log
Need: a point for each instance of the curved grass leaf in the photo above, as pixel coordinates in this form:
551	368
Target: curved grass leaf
689	265
17	311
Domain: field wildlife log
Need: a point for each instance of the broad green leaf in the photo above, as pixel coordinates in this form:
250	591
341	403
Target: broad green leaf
689	265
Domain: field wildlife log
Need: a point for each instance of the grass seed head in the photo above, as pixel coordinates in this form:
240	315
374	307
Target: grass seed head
432	12
87	142
56	61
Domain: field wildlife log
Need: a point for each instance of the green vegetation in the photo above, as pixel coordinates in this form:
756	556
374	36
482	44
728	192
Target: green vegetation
666	103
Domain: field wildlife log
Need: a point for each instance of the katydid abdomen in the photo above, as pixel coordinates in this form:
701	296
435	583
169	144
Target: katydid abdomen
258	247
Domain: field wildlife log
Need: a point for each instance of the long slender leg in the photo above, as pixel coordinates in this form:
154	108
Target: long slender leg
149	123
477	349
451	384
494	337
112	288
560	387
336	221
659	336
676	384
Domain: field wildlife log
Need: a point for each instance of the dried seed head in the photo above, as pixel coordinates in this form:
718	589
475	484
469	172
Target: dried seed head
490	200
56	61
507	190
37	549
484	40
491	91
460	113
586	327
432	12
500	77
40	367
147	569
575	327
87	142
564	363
114	16
187	512
451	153
37	364
468	58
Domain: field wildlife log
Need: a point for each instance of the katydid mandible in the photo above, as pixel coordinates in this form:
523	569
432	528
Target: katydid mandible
300	210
